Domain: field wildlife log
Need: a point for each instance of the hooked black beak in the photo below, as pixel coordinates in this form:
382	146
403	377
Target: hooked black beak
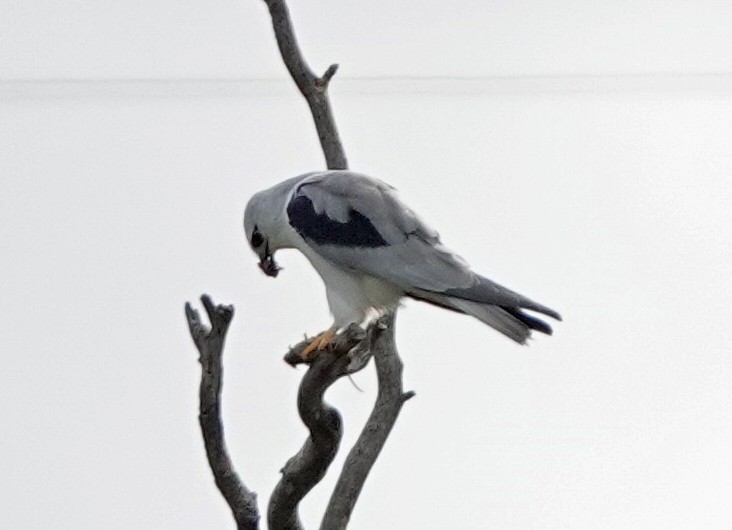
269	265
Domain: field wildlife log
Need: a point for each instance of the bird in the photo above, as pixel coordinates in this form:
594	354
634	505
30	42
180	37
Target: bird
371	251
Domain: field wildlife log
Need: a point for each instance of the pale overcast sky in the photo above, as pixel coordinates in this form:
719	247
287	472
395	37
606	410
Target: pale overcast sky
230	38
607	200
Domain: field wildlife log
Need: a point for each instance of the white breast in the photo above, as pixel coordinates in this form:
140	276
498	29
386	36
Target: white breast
352	296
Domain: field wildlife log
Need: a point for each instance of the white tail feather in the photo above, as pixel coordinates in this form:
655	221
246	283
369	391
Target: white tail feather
495	317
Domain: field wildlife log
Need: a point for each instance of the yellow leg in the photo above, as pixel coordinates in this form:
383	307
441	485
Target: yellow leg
319	342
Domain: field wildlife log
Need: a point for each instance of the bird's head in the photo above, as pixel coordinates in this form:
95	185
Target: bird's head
260	226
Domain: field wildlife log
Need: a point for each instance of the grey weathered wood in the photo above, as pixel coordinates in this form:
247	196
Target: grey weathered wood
304	470
313	88
210	345
366	450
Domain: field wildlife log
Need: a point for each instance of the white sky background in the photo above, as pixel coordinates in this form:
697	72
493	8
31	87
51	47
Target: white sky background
607	199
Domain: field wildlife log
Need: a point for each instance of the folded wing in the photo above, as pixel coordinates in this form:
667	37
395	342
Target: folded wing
360	223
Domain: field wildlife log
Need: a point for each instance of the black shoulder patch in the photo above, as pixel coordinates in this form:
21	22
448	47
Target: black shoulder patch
357	232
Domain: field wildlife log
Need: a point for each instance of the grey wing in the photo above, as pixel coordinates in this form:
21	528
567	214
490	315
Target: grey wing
360	223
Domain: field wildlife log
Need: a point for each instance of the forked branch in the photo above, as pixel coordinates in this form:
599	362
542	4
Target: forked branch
210	345
388	404
346	355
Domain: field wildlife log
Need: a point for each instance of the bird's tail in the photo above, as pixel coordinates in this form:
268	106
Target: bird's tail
504	312
513	323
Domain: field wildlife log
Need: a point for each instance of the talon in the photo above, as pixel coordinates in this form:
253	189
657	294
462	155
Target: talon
319	343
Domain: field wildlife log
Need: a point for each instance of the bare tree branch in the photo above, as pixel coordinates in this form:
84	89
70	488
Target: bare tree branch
388	404
210	344
304	470
313	88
